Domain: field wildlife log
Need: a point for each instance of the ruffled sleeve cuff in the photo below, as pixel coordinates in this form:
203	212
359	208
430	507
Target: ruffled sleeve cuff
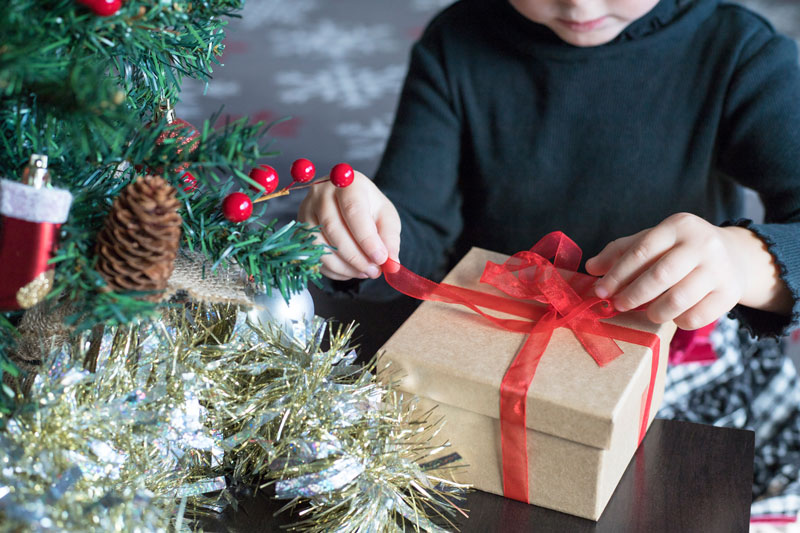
783	242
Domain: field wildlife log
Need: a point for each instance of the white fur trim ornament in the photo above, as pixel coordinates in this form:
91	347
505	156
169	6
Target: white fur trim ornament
33	204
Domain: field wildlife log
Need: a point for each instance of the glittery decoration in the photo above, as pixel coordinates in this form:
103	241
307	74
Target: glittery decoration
186	136
340	474
35	291
323	431
441	462
176	407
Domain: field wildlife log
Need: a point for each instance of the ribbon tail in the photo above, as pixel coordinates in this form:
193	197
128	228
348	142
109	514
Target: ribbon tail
415	286
513	409
655	348
601	346
652	341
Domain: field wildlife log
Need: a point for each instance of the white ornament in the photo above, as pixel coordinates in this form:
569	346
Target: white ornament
272	310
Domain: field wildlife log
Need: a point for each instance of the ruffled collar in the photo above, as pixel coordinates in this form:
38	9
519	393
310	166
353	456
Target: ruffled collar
660	16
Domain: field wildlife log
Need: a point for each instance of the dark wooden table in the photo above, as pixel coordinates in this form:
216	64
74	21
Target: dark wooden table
684	478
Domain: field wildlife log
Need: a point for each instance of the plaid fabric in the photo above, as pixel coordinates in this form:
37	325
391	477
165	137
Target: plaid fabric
753	385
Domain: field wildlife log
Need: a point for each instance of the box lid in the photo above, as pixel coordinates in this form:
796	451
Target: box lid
451	355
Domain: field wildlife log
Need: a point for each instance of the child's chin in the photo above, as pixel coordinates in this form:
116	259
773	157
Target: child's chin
587	39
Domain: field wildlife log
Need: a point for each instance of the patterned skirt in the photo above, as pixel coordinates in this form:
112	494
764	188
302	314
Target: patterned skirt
752	385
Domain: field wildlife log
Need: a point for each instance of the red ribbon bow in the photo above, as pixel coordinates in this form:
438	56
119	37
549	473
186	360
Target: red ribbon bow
531	276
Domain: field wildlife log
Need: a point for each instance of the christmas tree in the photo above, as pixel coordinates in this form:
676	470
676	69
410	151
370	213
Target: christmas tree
104	187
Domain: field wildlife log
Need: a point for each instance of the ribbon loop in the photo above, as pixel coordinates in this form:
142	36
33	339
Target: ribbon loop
531	276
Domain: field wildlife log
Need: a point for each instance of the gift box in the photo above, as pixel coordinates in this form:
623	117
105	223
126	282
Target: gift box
581	421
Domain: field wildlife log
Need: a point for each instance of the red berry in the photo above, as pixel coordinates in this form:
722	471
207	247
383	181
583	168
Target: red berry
303	170
266	177
342	175
189	181
237	207
103	8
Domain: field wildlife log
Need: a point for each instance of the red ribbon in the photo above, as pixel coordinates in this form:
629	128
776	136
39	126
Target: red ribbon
531	276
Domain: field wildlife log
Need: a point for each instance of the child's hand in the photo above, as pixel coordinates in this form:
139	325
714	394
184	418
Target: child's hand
688	270
358	221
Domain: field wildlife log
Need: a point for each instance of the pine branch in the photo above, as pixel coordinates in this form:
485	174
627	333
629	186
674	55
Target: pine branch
8	335
82	89
147	47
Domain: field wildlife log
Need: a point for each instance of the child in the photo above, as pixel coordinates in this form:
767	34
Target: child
629	121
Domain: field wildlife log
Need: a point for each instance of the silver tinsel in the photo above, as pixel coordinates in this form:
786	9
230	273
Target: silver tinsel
177	404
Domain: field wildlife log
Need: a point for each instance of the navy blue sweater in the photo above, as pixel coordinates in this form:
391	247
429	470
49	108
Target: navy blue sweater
504	133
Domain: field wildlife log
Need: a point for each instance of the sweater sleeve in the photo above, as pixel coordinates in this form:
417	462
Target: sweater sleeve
419	168
760	148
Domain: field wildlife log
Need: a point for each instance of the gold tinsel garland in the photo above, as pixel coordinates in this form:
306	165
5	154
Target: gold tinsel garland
174	406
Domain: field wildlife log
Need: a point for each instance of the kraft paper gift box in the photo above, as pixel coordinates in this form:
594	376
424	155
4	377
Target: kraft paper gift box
583	422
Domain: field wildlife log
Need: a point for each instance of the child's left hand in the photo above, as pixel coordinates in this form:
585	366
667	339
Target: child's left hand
689	271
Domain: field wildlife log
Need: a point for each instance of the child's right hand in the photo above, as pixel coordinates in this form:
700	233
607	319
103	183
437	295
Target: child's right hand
358	221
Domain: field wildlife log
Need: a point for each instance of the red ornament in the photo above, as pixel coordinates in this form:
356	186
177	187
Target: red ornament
237	207
184	131
266	176
189	182
342	175
31	214
185	135
303	170
103	8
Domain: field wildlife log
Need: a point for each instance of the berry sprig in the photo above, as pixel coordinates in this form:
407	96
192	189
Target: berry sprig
237	206
303	171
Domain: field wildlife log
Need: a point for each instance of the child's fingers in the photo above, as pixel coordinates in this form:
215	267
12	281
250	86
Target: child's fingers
338	235
389	231
361	225
602	262
682	297
306	211
334	268
332	265
642	252
347	250
706	311
358	222
666	272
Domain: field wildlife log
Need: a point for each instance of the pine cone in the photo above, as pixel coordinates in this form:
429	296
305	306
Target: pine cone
137	246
